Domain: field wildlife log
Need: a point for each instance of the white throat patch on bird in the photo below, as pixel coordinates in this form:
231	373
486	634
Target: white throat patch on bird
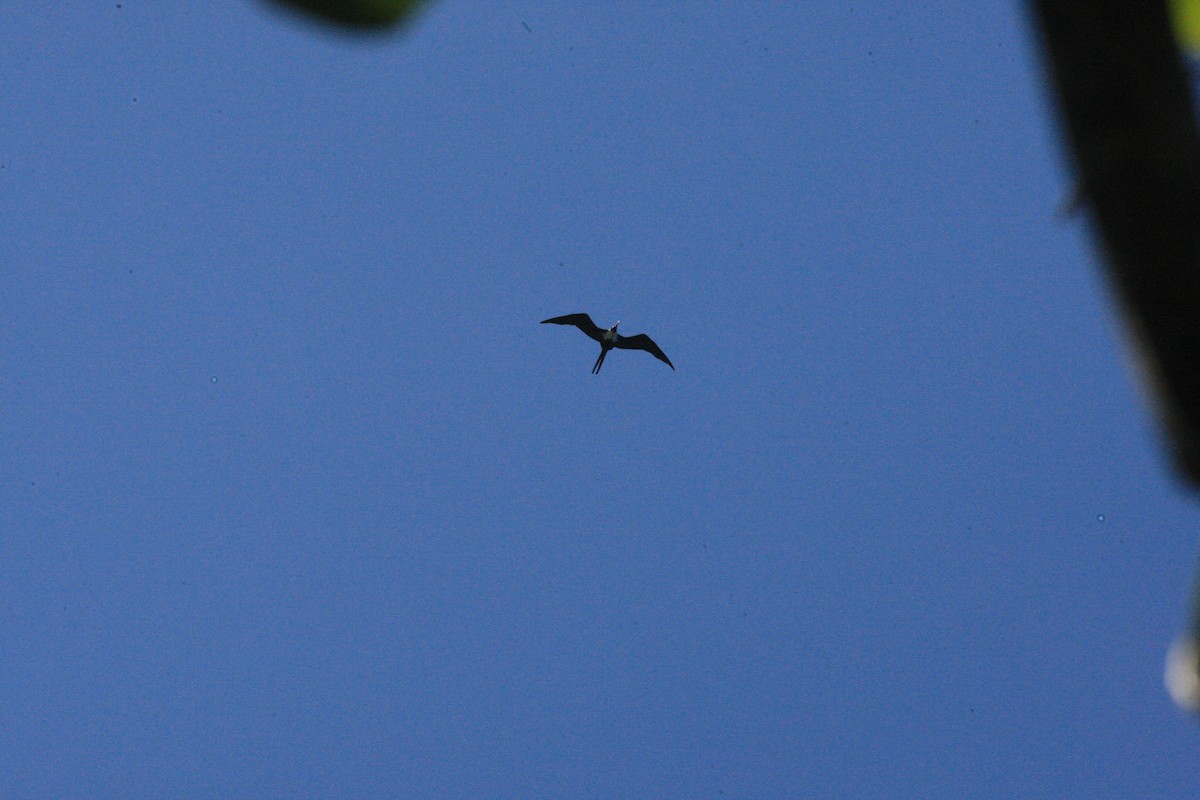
609	339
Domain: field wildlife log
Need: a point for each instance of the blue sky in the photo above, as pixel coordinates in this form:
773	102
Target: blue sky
299	500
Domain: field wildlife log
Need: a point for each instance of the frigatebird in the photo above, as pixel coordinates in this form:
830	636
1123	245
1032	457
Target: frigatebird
609	339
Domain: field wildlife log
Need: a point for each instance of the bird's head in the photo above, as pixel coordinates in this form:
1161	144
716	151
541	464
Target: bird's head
614	327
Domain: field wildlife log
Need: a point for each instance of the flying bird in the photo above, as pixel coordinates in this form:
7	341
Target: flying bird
609	339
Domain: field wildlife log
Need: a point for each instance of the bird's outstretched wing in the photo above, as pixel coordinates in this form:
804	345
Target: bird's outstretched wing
581	321
643	342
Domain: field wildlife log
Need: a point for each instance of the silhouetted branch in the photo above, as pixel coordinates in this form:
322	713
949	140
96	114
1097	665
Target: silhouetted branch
1127	112
1129	120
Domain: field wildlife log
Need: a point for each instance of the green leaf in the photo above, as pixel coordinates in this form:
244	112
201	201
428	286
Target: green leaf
1185	18
358	13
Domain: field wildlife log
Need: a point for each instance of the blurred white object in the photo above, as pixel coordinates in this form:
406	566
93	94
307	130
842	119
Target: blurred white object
1182	674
